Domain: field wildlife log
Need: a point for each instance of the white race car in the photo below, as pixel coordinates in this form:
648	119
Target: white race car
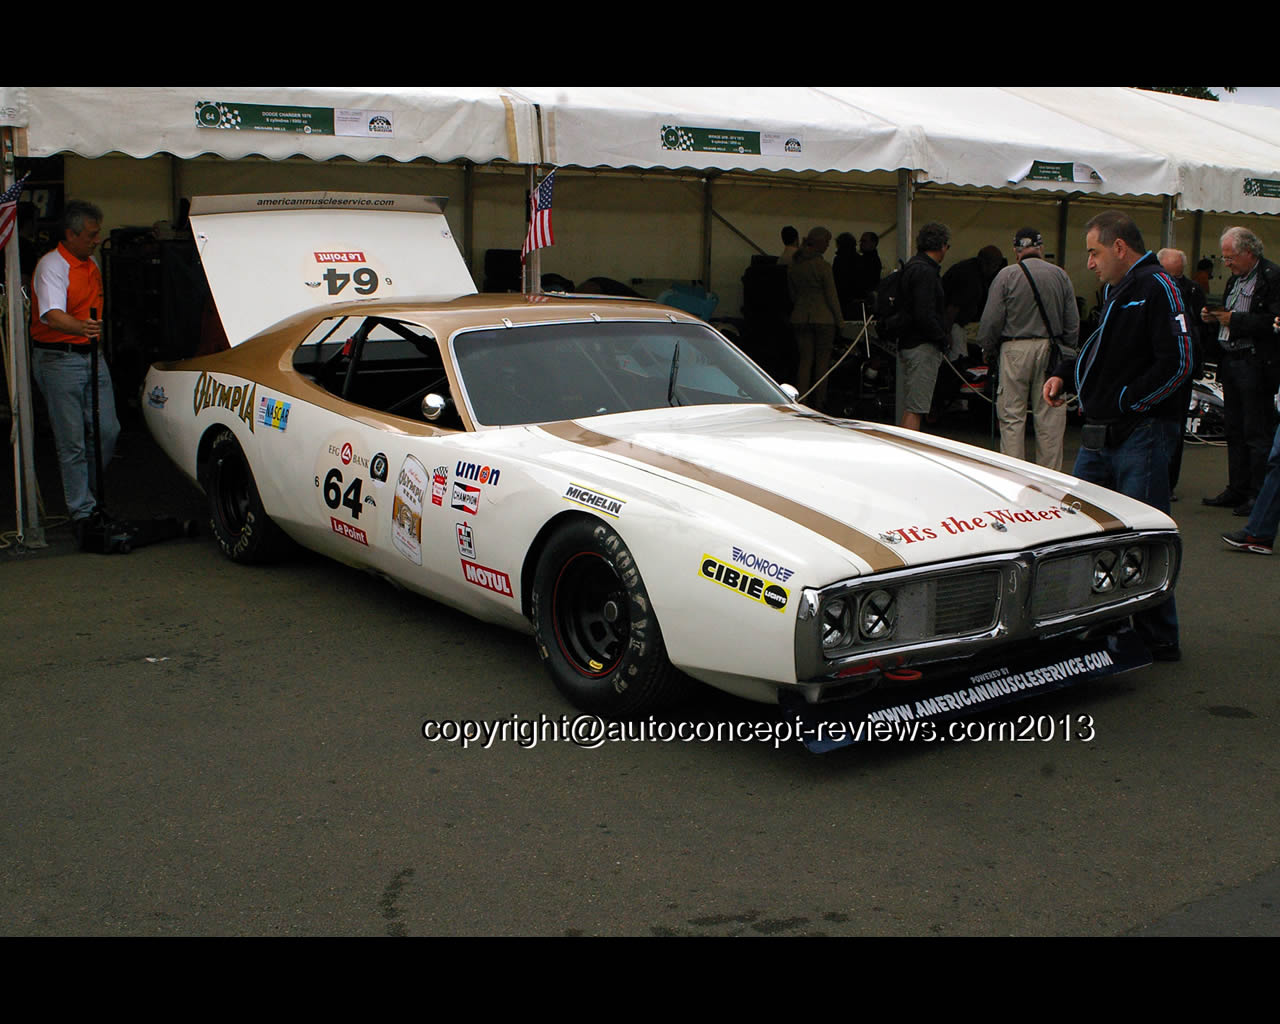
615	477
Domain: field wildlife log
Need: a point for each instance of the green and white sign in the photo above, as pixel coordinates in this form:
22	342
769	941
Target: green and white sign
684	138
1058	170
1267	188
260	117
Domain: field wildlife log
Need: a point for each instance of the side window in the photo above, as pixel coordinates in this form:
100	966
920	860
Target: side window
376	362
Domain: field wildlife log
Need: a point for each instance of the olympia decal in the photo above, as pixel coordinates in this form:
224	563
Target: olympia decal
748	584
210	392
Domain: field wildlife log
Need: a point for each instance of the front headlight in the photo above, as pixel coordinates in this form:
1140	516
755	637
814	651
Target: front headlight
1133	567
837	618
877	615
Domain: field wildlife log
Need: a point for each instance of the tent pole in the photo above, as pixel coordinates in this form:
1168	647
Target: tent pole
905	234
1063	205
468	213
1166	222
706	231
30	531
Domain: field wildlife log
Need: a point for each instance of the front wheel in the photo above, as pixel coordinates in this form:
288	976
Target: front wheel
239	523
595	626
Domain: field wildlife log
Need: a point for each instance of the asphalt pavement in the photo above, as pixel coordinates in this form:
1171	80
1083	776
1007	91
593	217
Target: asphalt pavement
191	747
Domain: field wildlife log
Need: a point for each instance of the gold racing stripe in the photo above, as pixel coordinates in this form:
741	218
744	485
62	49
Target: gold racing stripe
877	555
1099	515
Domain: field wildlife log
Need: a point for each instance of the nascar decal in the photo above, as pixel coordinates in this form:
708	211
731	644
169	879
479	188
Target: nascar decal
439	484
466	498
490	579
343	486
343	273
597	501
762	565
475	471
748	584
210	392
274	413
406	511
466	540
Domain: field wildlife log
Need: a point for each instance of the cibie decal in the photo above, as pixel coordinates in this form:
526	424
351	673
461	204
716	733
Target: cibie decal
475	471
347	530
406	510
466	540
490	579
274	413
439	484
596	500
762	565
748	584
156	397
465	498
237	398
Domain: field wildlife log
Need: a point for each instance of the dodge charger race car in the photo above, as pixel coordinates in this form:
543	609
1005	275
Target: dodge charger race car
616	478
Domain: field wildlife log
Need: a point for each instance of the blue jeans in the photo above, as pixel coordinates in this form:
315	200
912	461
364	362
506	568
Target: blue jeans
1139	468
1266	510
64	380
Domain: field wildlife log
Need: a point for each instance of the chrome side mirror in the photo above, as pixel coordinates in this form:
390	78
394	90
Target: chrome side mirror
433	406
790	392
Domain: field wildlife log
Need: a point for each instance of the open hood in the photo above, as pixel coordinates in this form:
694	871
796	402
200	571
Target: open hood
270	256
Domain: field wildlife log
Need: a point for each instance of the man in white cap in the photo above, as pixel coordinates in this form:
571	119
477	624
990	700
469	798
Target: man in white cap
1031	306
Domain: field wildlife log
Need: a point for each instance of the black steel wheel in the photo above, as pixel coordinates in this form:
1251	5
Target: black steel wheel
239	523
596	628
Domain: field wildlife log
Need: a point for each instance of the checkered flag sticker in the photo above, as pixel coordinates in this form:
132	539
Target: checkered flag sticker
216	115
674	137
1252	187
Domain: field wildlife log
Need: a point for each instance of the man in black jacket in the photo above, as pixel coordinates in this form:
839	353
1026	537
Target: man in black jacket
1249	367
923	335
1129	376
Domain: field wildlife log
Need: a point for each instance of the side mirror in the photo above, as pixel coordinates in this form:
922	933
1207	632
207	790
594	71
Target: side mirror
791	392
433	406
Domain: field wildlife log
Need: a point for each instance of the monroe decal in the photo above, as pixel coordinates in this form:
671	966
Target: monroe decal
236	398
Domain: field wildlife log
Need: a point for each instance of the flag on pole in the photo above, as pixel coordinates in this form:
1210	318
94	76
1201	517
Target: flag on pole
540	234
9	208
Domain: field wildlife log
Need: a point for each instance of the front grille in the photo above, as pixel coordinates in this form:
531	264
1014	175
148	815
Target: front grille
966	603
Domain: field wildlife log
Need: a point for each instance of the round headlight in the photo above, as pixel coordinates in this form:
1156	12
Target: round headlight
836	615
1104	572
1133	567
877	615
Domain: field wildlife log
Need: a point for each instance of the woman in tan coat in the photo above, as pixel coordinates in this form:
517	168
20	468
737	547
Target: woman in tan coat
815	314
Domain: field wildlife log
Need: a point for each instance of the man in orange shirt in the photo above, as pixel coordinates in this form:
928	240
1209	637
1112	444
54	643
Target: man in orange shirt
66	321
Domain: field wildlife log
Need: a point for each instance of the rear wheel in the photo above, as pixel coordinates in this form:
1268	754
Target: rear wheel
240	524
596	630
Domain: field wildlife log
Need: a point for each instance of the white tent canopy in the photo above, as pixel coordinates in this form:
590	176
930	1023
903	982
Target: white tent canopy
1104	141
477	124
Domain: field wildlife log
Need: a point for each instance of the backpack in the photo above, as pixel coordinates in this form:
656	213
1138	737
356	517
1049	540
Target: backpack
890	317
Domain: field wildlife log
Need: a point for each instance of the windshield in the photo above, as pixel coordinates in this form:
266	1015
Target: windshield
545	372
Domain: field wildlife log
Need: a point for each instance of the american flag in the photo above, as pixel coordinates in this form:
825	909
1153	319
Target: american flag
540	223
9	208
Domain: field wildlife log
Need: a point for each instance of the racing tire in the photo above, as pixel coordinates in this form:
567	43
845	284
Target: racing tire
239	523
595	626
